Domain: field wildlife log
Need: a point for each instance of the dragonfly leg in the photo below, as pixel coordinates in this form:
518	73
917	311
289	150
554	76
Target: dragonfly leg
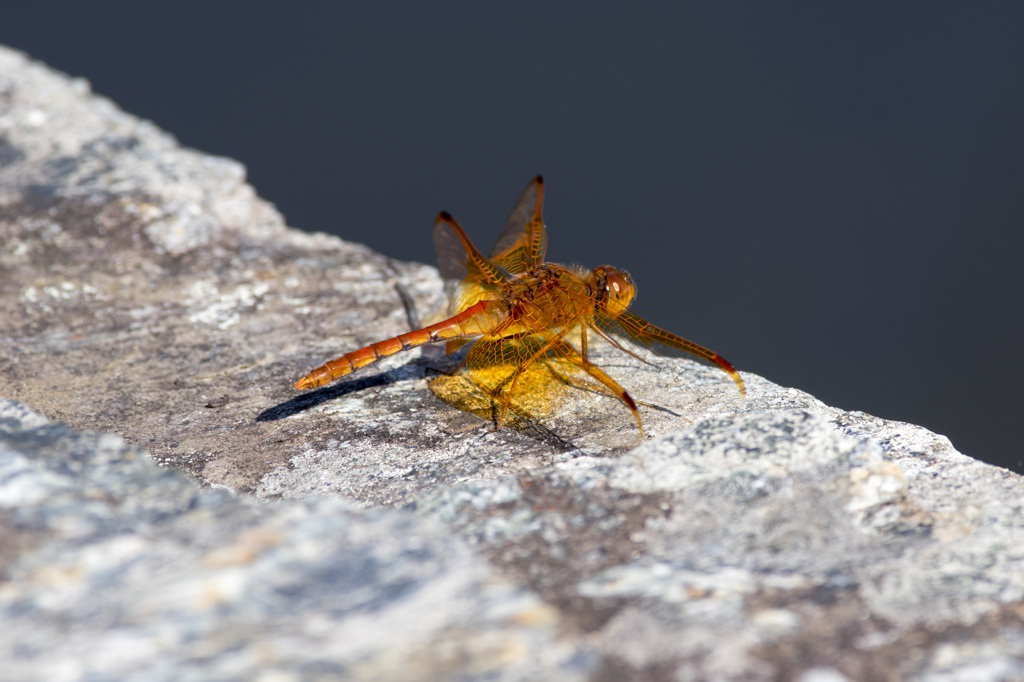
514	379
606	381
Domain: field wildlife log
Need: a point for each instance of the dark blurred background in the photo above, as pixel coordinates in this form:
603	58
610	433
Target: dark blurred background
830	195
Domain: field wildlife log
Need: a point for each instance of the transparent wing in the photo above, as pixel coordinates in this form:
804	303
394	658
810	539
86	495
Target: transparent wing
507	351
523	240
468	276
635	329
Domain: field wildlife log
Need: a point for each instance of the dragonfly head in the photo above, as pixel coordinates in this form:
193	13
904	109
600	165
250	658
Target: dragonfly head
615	290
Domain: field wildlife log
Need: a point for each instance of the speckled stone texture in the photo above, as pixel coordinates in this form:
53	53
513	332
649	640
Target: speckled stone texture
115	568
196	518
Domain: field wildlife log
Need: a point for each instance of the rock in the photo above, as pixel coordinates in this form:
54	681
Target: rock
370	530
115	568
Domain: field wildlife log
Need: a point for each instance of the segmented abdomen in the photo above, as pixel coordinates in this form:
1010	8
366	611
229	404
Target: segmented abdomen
478	319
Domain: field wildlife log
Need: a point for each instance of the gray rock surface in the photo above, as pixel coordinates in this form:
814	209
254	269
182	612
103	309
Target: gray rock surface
118	569
369	530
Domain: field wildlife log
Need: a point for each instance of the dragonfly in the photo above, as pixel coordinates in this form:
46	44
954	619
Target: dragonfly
516	311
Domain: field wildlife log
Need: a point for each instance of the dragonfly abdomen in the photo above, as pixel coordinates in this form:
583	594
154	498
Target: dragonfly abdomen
473	321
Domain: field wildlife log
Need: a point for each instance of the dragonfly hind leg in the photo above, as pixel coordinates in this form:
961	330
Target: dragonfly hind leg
513	379
567	351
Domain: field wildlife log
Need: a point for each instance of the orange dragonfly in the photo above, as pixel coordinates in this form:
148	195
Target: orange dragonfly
518	311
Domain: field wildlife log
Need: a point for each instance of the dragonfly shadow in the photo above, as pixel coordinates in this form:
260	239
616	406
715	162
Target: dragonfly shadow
311	399
516	419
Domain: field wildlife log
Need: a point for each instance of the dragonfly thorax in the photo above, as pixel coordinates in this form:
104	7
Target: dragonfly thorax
550	295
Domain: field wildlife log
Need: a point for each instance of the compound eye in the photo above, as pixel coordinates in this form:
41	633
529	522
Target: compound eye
620	292
616	283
